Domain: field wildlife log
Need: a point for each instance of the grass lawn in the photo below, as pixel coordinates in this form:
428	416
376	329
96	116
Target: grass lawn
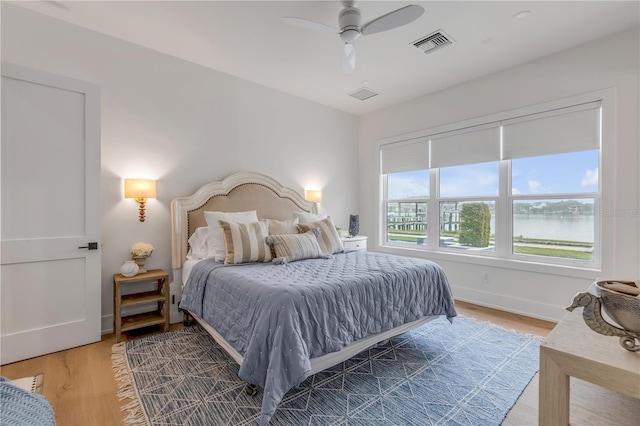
551	251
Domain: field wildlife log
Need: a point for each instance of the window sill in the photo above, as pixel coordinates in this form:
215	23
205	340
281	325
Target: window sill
575	271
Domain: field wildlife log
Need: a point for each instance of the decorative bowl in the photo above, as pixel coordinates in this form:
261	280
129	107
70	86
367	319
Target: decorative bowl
623	308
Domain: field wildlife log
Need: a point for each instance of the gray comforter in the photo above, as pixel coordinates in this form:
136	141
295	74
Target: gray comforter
278	317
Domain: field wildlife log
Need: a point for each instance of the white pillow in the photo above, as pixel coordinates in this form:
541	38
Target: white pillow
304	217
283	227
212	219
199	246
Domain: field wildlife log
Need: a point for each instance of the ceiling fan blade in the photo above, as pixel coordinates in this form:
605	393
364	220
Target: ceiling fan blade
349	58
391	20
310	25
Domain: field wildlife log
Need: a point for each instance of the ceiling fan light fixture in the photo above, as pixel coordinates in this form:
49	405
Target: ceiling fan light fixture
349	35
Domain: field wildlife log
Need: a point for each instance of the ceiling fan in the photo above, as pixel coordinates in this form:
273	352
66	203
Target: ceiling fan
349	20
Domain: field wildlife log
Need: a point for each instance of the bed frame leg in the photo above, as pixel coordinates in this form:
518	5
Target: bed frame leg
251	390
187	319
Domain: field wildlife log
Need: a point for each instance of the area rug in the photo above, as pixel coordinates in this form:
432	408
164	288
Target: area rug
465	373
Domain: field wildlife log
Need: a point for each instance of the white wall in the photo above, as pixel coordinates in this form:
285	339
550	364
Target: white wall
540	292
184	125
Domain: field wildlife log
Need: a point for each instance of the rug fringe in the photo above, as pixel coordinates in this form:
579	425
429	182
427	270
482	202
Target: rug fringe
136	415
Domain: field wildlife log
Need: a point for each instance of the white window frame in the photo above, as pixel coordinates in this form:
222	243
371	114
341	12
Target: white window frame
502	257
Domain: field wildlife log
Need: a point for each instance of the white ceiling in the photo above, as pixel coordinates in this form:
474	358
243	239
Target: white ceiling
248	39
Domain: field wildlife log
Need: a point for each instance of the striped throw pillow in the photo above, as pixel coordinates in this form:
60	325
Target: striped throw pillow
329	240
292	247
245	242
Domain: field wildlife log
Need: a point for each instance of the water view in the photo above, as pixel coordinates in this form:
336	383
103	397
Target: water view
556	228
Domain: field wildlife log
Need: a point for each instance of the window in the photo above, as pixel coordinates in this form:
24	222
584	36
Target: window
471	180
523	188
468	196
406	207
407	186
468	225
573	173
562	226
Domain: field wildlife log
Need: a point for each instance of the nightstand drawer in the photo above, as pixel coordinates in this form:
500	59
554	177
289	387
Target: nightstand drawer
355	243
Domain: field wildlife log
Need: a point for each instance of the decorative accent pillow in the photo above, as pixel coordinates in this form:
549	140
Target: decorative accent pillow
304	217
201	244
329	240
292	247
245	242
282	227
212	219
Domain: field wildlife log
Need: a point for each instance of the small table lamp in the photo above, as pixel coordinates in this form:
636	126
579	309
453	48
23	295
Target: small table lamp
140	190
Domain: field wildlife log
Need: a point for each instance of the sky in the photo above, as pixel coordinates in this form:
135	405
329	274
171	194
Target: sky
576	172
570	173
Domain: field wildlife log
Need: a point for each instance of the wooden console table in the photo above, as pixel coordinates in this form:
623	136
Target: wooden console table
572	349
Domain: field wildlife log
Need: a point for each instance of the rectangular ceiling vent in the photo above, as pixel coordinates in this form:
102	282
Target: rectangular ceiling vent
433	41
363	93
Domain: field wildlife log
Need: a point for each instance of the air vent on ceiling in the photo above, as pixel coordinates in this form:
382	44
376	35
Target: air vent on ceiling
433	41
363	93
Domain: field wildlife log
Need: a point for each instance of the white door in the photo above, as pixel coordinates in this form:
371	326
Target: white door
50	207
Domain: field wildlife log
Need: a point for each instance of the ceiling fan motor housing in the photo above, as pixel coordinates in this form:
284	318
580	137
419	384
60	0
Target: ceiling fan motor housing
349	21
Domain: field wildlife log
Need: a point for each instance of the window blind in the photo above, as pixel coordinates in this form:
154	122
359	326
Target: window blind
404	156
560	131
478	144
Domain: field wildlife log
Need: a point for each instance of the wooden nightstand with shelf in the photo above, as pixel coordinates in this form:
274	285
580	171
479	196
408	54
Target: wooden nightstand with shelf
358	243
160	295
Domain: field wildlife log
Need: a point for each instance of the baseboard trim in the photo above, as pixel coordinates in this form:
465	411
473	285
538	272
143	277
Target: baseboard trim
510	304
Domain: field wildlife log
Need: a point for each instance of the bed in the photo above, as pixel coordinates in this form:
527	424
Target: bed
284	321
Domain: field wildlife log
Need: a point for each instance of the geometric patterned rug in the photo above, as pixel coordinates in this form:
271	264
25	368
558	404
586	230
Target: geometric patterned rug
465	373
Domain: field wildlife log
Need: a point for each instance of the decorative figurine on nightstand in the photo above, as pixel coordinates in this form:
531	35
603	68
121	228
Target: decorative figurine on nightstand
621	301
354	225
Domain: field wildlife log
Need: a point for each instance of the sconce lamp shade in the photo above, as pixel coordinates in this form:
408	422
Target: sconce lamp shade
314	195
139	188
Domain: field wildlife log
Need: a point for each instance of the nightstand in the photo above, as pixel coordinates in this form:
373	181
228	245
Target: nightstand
357	243
160	295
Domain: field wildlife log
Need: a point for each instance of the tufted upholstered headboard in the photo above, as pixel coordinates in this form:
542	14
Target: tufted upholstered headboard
239	192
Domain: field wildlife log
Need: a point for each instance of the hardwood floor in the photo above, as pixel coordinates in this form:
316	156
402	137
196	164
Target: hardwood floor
80	384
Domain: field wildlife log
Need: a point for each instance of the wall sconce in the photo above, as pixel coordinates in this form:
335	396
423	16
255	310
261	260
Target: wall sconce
314	195
140	190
